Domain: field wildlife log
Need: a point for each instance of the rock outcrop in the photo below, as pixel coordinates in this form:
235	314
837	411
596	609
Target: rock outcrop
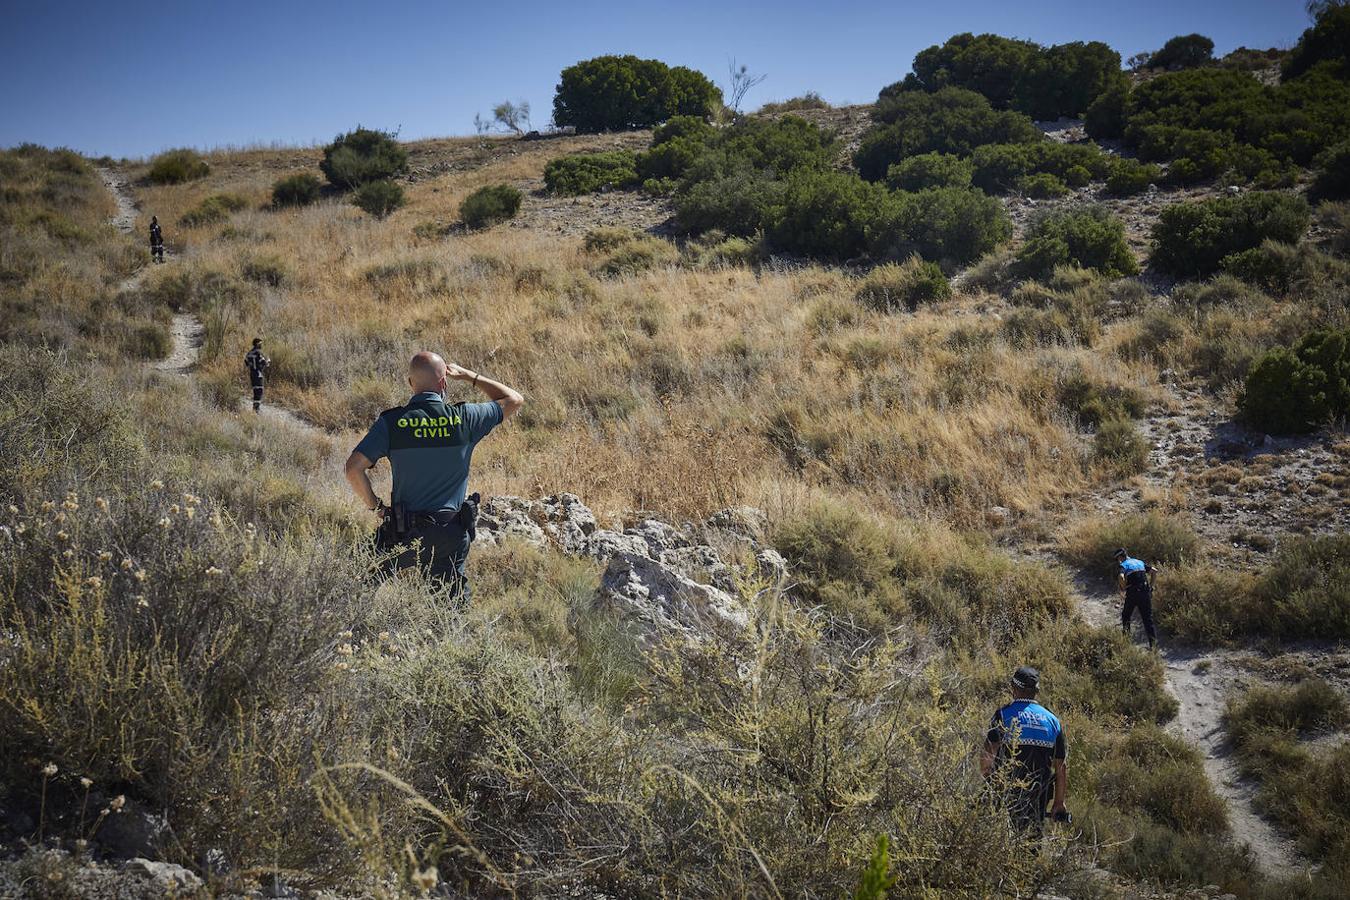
658	577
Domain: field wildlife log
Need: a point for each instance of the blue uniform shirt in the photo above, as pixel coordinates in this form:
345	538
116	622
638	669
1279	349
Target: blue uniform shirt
1028	737
429	444
1135	572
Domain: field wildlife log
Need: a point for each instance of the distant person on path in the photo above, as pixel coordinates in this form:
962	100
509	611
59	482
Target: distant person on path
430	520
156	240
1136	580
256	364
1027	740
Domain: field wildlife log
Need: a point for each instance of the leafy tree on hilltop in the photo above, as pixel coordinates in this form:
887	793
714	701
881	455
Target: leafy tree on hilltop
612	93
1327	41
1185	51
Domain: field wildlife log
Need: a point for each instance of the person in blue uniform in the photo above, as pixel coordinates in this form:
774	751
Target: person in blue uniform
1026	745
429	521
1135	579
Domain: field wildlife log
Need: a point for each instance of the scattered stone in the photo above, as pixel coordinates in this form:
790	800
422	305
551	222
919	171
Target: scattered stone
134	833
173	880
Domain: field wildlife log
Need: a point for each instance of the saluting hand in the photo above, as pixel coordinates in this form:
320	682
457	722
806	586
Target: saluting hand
458	373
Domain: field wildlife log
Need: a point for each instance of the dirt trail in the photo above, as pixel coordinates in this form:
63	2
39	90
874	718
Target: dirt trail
1199	680
186	330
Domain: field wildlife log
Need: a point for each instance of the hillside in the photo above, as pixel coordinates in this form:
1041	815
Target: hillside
783	511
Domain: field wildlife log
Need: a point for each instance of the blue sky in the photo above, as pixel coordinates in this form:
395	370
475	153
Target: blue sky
132	79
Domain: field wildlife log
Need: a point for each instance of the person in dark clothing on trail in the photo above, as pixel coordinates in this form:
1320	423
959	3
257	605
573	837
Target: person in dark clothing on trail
1027	740
256	364
1136	580
429	522
156	240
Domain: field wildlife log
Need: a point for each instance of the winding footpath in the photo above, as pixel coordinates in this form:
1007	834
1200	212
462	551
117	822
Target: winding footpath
186	329
1199	680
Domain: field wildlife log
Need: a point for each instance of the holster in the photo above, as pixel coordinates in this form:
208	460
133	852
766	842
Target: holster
394	529
468	515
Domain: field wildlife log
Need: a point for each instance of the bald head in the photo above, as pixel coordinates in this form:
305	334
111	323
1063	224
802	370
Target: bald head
426	371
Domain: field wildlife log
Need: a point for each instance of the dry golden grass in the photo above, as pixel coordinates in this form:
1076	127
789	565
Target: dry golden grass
677	389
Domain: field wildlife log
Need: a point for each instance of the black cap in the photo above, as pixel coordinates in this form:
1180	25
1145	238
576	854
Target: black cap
257	341
1027	678
1121	552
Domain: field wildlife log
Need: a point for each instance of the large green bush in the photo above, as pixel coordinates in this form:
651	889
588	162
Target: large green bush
948	225
1042	82
378	198
1128	177
215	208
1326	42
1300	388
1185	51
826	214
929	170
614	93
1192	239
1332	181
177	167
584	173
1091	238
951	120
362	156
891	287
300	189
739	204
490	205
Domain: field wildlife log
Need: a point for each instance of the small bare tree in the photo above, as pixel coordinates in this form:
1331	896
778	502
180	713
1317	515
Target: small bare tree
513	117
742	80
480	124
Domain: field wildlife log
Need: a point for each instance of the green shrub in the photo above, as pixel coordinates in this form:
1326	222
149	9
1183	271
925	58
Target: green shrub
1077	176
1120	447
741	204
695	128
177	167
1332	181
215	208
951	226
951	120
1130	177
1192	239
1150	536
1298	389
891	287
1042	186
1090	237
268	270
607	238
300	189
1043	82
1093	402
1309	706
825	214
929	170
669	159
363	156
999	168
637	256
1185	51
1324	43
490	205
1104	119
584	173
809	100
614	93
378	198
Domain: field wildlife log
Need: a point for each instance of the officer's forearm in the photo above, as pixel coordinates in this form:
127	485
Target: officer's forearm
360	482
510	399
1061	783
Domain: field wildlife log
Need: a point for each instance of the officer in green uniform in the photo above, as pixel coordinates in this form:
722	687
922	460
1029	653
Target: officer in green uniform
430	442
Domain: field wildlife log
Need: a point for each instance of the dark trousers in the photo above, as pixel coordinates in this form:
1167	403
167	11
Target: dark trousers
442	552
257	381
157	251
1142	601
1026	808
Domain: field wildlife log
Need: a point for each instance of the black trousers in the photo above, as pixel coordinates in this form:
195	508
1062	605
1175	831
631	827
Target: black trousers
1142	601
1026	808
257	381
441	550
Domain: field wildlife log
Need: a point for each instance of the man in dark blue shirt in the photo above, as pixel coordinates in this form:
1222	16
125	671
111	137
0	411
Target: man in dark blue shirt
1135	578
429	444
1026	745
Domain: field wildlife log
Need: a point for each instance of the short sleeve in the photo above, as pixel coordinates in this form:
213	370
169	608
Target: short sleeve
1061	746
482	418
375	445
995	735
